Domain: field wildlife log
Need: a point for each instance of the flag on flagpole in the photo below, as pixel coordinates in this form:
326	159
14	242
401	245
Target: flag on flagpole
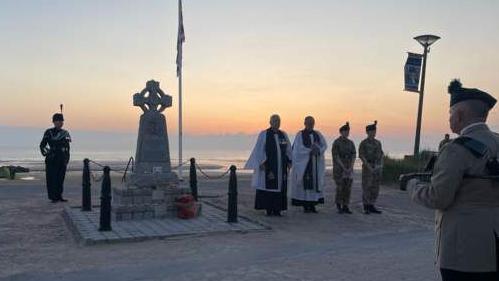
180	38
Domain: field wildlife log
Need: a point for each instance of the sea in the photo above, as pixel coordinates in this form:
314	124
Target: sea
19	146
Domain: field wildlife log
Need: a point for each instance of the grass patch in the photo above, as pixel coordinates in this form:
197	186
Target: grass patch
393	168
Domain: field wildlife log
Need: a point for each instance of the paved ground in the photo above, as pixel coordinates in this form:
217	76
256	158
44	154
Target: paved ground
213	220
398	245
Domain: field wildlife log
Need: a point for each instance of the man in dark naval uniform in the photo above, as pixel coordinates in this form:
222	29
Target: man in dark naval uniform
56	157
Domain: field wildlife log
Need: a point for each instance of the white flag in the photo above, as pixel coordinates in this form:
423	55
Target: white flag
180	38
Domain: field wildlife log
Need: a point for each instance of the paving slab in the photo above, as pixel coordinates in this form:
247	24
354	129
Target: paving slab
213	220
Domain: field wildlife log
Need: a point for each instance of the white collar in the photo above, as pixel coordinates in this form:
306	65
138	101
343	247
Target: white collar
467	128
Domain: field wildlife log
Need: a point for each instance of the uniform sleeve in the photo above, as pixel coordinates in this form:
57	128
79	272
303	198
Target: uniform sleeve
67	145
362	150
43	143
447	177
67	152
335	152
381	153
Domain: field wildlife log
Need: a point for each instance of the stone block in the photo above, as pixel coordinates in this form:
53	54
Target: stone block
147	199
159	211
138	199
158	195
115	216
126	216
138	215
116	200
149	215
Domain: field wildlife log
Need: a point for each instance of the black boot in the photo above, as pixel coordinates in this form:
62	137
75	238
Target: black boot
277	213
306	209
346	210
367	210
340	209
269	213
373	210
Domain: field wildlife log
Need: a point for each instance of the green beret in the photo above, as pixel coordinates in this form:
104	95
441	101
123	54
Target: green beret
345	127
371	127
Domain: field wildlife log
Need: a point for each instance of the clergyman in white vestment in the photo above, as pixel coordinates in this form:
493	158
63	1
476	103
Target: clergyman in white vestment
270	161
307	174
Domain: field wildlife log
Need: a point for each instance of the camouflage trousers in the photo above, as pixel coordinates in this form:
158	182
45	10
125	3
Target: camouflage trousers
370	186
343	191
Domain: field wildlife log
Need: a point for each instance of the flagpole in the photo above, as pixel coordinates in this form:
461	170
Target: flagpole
180	41
180	124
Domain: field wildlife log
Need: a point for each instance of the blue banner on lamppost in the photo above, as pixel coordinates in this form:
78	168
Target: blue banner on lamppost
412	72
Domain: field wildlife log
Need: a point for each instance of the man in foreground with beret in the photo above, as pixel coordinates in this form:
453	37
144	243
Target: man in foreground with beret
464	191
56	157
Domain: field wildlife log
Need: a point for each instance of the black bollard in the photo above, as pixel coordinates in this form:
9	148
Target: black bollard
193	179
86	195
105	202
232	208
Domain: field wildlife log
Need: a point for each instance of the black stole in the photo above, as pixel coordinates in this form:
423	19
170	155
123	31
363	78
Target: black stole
308	176
271	164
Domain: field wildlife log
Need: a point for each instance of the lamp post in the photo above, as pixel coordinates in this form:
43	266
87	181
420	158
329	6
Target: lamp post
425	41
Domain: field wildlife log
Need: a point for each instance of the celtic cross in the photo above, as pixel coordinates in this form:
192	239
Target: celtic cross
151	98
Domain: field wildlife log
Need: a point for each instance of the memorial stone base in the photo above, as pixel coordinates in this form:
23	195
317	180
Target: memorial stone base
137	203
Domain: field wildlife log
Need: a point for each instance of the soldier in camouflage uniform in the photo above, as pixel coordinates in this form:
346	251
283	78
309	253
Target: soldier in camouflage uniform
343	159
371	154
445	141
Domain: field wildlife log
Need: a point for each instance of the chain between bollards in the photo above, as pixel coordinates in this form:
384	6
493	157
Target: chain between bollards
193	179
86	194
105	202
232	202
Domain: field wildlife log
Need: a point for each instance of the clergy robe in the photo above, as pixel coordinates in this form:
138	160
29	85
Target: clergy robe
307	174
273	150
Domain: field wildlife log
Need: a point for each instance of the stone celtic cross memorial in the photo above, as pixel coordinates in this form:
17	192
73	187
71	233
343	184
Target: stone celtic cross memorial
152	187
152	158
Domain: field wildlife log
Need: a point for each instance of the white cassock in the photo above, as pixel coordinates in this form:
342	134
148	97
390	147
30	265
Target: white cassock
258	157
301	158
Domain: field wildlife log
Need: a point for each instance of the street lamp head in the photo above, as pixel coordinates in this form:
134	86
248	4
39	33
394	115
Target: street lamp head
426	40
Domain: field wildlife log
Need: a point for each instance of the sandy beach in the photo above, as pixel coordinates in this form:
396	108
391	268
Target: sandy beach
397	245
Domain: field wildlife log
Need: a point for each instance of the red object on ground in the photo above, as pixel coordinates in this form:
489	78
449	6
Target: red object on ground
186	206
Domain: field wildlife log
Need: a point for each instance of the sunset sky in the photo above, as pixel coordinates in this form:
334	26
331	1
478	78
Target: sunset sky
243	60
